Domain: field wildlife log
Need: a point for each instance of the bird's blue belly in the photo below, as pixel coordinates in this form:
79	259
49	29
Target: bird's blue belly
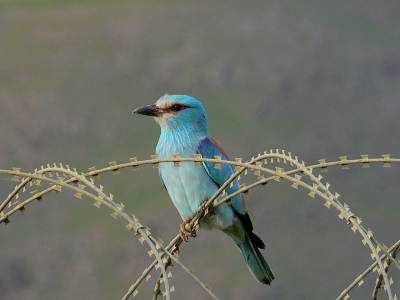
188	186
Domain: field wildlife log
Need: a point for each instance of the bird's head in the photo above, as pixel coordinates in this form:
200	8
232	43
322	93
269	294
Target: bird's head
174	112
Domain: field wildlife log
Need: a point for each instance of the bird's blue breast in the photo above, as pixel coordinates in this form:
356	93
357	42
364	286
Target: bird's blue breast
187	185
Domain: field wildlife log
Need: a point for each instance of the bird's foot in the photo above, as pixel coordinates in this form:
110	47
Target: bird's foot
202	207
185	232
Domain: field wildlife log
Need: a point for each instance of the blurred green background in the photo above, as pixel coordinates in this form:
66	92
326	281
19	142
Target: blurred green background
320	79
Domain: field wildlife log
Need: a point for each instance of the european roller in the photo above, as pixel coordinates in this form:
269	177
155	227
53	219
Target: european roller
184	131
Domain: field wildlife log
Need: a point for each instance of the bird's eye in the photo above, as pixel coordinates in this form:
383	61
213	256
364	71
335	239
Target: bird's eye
177	107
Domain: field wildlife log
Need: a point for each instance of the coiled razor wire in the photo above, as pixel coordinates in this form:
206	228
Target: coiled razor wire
58	177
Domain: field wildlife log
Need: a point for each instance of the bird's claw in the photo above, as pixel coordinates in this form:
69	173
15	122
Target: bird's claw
184	233
202	207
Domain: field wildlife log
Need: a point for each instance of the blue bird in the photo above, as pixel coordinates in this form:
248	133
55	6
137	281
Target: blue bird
184	131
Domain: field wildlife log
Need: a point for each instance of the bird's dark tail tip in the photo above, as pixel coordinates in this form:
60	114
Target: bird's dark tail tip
256	263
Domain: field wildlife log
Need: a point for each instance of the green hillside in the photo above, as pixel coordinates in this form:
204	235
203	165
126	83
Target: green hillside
320	79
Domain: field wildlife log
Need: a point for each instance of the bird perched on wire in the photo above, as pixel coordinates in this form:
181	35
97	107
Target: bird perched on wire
184	131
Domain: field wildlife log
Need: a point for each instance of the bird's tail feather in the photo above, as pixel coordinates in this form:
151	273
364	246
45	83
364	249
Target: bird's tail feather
256	263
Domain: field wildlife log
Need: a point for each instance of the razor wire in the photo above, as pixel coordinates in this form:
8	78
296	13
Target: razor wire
266	167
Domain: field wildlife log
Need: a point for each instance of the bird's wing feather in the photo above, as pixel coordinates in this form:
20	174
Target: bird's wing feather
209	148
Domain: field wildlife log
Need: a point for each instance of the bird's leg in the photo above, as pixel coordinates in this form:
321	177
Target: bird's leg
202	207
185	233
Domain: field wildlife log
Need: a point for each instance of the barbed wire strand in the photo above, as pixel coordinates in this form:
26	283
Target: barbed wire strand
255	165
360	279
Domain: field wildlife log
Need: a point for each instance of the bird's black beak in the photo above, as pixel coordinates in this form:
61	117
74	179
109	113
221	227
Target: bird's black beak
148	110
